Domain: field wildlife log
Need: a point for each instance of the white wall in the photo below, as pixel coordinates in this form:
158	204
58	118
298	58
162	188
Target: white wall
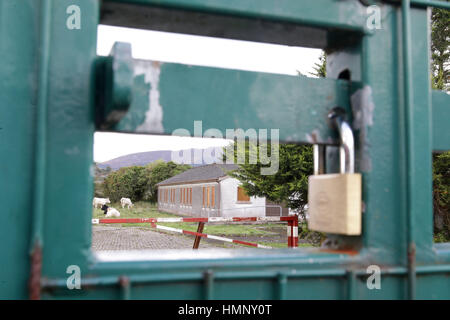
229	205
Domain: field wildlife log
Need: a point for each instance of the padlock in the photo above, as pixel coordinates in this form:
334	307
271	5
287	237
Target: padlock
334	200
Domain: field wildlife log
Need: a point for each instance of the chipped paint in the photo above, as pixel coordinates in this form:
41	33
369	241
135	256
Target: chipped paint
314	137
363	107
34	281
154	115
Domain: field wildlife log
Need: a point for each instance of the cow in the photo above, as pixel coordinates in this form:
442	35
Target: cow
100	201
110	212
126	202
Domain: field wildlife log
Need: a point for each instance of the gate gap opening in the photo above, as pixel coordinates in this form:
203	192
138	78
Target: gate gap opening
125	162
211	52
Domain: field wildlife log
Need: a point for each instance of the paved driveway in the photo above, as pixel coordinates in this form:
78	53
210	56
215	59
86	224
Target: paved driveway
135	238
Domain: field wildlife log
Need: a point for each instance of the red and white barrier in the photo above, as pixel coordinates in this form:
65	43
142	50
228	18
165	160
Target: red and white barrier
292	233
208	236
292	229
213	219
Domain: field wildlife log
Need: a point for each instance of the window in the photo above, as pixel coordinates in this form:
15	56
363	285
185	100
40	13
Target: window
185	195
208	197
242	195
203	199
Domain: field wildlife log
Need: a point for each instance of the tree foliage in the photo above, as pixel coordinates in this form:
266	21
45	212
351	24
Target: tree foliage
440	53
289	185
159	171
441	196
139	182
100	176
129	182
440	77
320	68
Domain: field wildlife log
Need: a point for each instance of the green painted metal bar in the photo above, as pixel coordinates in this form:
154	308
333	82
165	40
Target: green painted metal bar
282	284
37	239
409	108
70	128
209	284
295	105
431	3
199	276
351	285
442	4
19	29
294	274
162	278
348	15
443	268
237	261
441	114
331	272
384	165
41	126
114	84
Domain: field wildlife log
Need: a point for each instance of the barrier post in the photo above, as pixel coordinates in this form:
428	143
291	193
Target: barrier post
292	232
289	233
200	227
295	232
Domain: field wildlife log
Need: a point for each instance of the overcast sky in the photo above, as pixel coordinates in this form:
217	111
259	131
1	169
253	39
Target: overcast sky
192	50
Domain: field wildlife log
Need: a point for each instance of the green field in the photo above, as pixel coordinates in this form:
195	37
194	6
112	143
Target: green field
264	233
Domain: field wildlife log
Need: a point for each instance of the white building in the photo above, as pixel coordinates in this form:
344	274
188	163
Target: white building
208	191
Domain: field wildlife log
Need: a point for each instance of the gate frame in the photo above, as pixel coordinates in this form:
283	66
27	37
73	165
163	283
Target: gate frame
48	133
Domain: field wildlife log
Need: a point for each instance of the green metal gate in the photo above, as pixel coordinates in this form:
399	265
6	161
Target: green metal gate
55	92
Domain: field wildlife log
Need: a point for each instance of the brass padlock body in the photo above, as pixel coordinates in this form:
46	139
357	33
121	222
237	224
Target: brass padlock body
334	203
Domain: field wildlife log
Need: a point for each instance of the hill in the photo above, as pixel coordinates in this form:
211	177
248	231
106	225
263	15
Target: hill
143	158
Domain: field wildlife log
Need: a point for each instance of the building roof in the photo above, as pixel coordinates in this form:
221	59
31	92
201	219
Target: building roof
202	173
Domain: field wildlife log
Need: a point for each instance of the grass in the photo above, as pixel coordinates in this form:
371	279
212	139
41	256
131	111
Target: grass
284	245
147	210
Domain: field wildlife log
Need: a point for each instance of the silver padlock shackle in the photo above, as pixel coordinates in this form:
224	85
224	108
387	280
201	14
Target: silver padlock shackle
347	148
